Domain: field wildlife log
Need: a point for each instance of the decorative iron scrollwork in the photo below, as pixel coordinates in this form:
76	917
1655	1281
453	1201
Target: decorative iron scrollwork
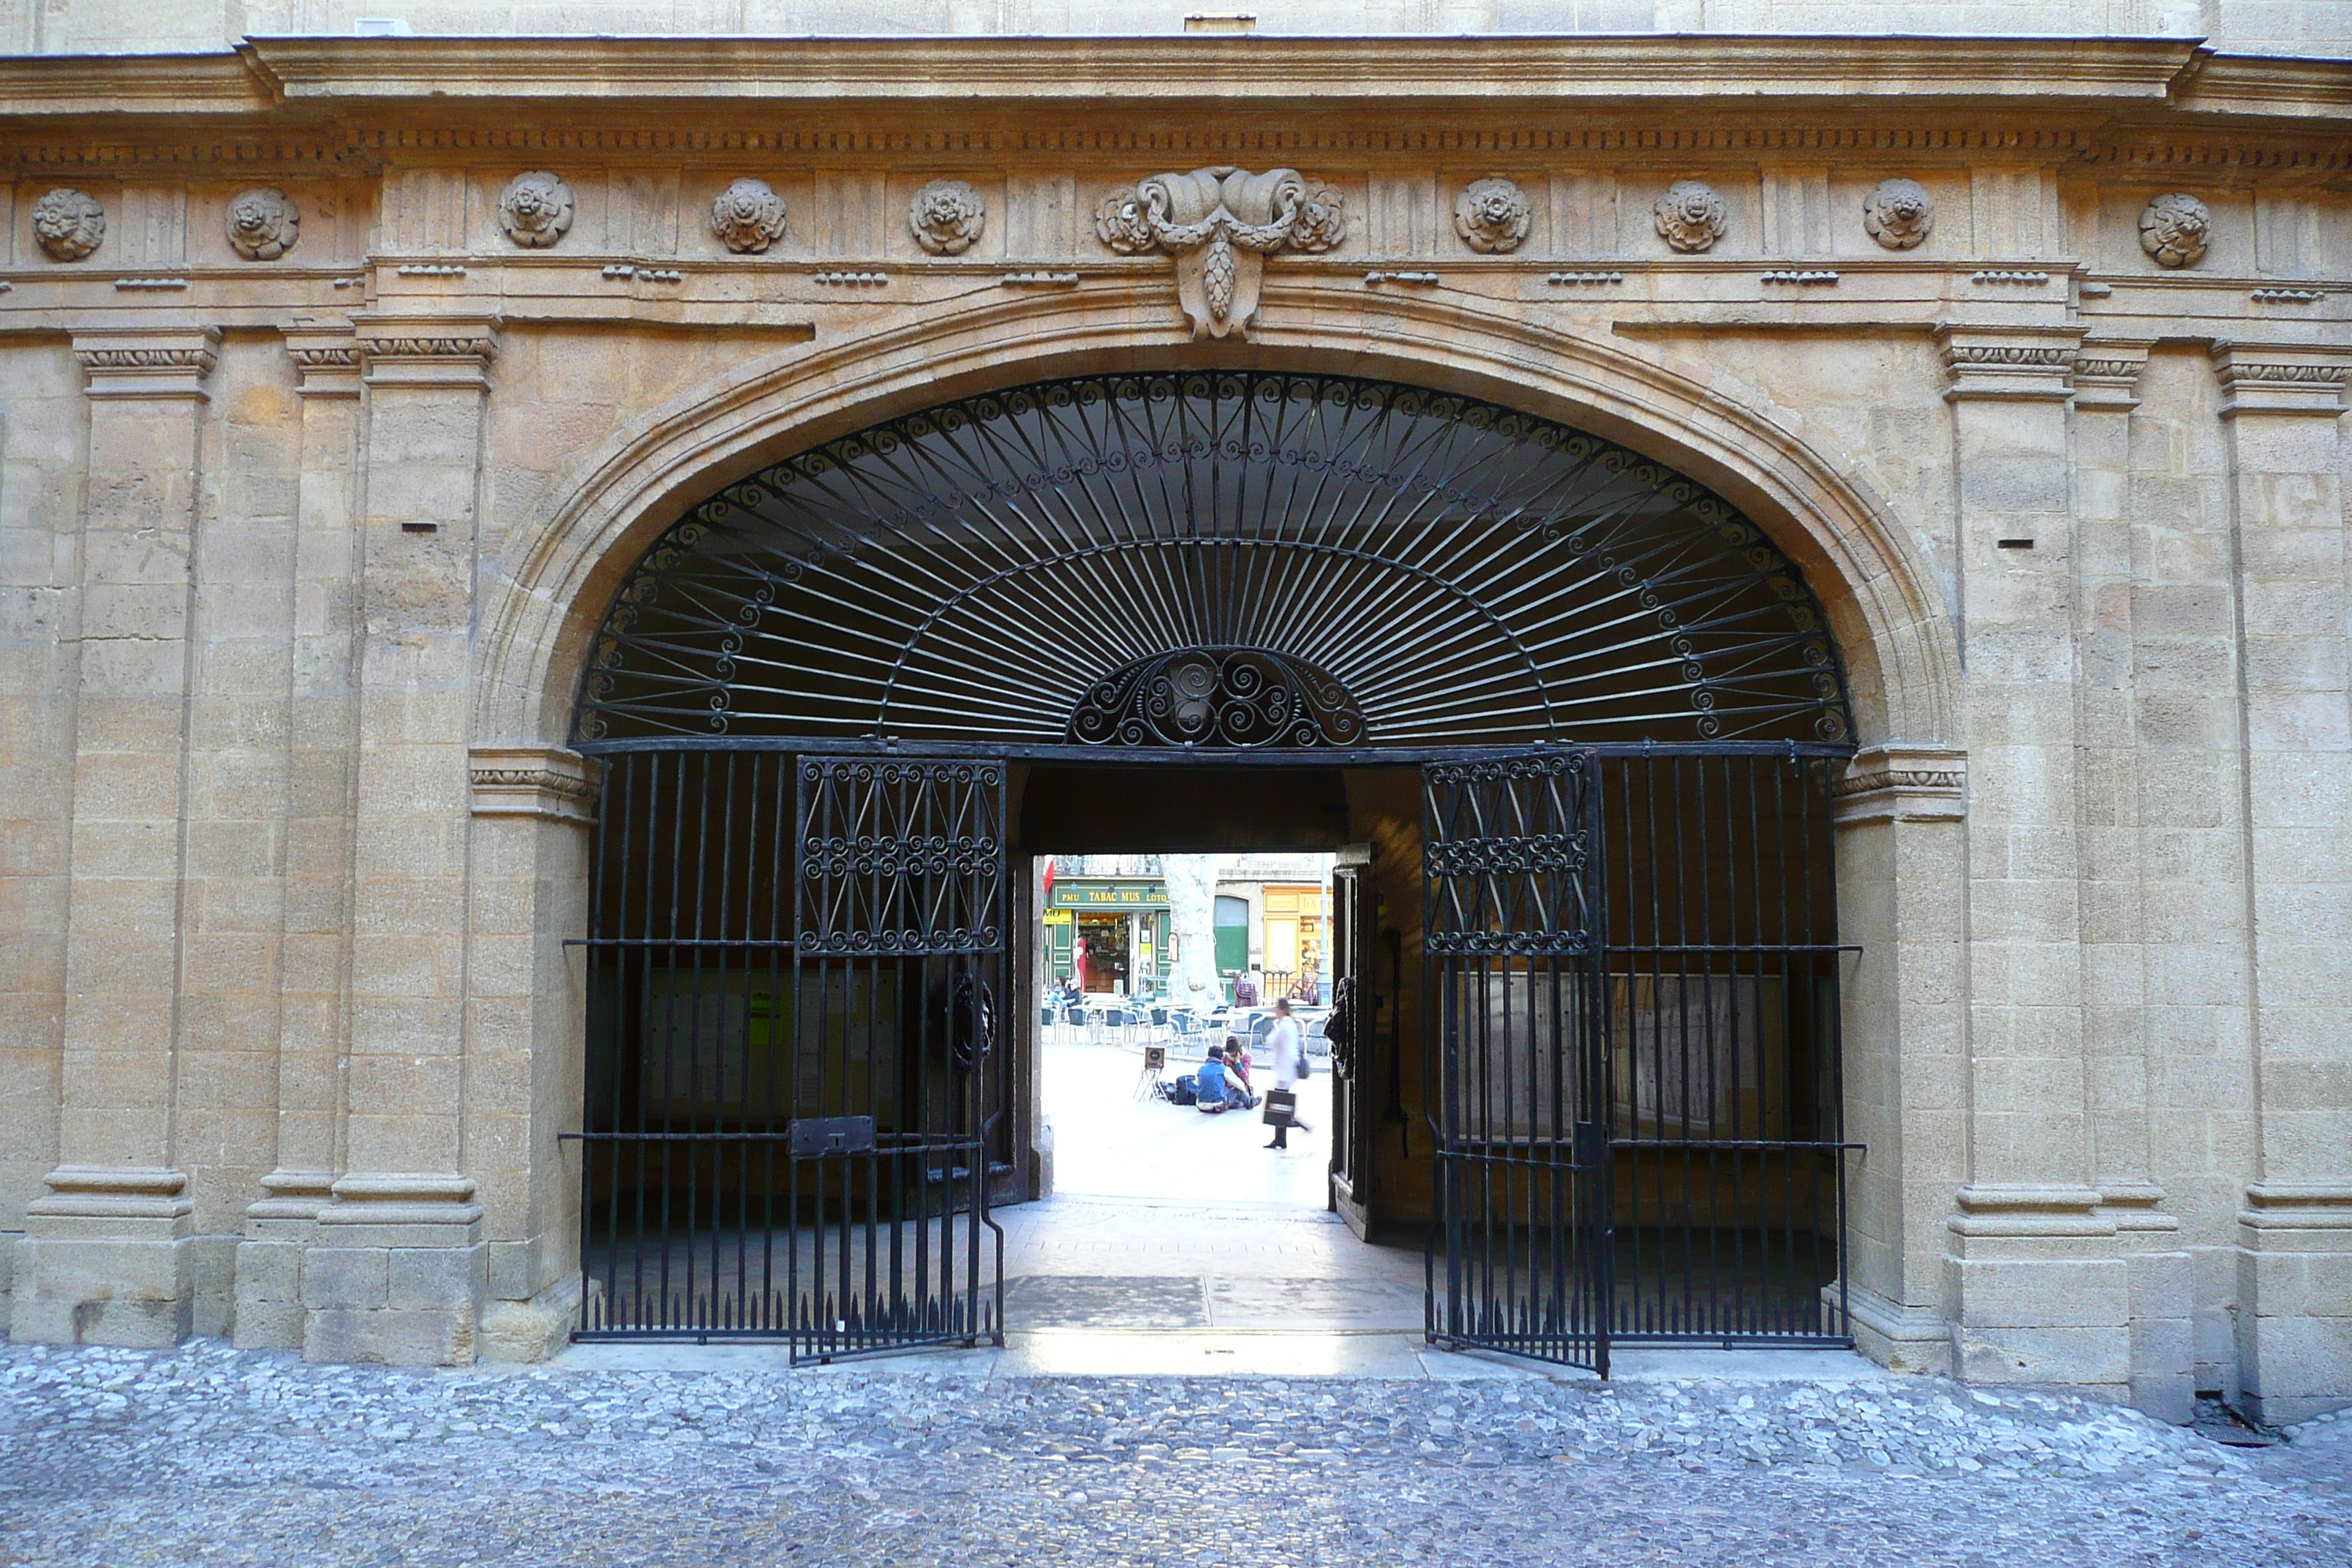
1240	698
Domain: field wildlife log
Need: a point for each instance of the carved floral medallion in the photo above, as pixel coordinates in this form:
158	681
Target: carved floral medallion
262	225
2174	229
1220	224
69	225
1492	216
1898	214
535	209
1689	217
748	217
947	216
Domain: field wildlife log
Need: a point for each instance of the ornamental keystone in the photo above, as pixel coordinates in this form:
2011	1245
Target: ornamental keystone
1220	224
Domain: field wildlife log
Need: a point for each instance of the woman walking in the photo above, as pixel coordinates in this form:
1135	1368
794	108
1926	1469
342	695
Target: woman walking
1286	1043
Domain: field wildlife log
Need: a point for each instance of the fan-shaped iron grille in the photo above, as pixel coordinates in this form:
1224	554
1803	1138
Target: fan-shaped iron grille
1227	559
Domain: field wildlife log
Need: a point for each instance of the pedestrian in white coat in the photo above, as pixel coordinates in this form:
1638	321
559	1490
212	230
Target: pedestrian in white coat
1286	1043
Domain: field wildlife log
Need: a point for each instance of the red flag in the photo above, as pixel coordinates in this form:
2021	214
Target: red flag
1049	881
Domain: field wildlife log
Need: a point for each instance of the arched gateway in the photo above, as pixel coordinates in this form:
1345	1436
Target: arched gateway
836	700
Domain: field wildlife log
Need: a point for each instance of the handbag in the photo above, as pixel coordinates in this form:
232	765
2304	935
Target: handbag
1281	1107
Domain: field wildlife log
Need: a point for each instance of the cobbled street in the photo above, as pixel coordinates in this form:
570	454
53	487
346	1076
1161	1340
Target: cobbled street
208	1456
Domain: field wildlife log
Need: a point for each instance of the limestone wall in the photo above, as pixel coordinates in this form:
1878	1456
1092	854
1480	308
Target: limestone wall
298	550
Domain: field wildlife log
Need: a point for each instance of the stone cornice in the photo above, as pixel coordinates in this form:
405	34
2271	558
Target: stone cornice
1289	69
1896	782
2281	378
549	782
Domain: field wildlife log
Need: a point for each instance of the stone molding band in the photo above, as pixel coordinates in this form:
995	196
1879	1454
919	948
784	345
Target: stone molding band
1901	784
549	782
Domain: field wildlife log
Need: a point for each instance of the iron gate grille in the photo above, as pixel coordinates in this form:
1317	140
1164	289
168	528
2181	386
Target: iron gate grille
1632	980
794	964
1512	938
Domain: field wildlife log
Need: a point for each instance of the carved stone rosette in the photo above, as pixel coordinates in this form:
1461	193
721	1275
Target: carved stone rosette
69	225
748	217
262	225
535	209
1690	216
2175	228
1220	224
947	216
1492	216
1899	214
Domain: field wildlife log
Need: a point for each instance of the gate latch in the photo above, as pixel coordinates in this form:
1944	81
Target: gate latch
815	1137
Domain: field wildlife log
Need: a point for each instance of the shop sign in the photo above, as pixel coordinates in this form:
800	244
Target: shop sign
1071	893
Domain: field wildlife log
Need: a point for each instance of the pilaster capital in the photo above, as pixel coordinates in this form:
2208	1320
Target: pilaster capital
326	356
2106	376
2029	364
545	782
1900	782
2281	378
159	363
445	350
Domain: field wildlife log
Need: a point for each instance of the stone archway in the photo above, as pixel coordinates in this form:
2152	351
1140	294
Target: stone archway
1860	558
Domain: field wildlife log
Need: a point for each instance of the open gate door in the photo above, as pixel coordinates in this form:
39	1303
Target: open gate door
1517	1093
899	963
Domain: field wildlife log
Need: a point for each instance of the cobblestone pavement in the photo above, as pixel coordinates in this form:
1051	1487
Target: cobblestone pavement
205	1456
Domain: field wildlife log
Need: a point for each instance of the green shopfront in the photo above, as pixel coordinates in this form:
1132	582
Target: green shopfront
1110	933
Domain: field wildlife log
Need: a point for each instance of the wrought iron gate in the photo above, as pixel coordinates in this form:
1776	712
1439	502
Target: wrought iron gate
1632	978
1512	939
796	964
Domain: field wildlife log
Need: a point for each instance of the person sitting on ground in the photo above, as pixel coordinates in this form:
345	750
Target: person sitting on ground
1238	1064
1217	1090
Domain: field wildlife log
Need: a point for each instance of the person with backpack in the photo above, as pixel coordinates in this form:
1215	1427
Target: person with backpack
1286	1043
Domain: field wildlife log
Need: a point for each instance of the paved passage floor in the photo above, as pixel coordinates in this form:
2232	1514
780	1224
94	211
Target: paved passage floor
208	1456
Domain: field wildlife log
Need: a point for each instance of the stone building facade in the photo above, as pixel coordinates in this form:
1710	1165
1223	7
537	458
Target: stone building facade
342	381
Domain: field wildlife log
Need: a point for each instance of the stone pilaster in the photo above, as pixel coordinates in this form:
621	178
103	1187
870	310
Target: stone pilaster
1901	862
2283	407
368	1292
106	1252
315	956
527	1007
2113	920
2033	1287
